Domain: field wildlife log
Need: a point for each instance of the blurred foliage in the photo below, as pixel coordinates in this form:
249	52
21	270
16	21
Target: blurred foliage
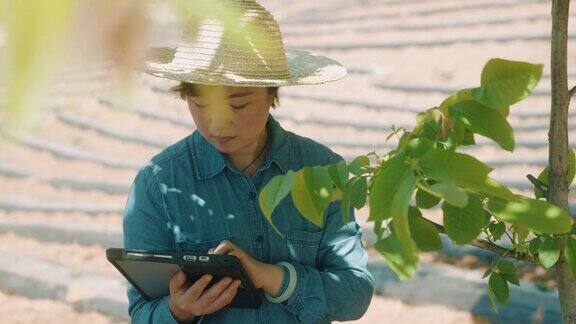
48	38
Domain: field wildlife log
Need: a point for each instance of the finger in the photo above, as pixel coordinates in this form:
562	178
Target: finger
195	291
235	253
225	297
208	296
224	247
176	282
211	250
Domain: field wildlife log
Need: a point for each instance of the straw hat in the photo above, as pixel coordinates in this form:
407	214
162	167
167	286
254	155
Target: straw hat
208	53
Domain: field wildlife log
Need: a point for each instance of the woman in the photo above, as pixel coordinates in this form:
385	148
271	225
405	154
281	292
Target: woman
200	194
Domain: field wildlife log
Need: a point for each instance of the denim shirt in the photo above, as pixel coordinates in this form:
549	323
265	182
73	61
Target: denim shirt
189	197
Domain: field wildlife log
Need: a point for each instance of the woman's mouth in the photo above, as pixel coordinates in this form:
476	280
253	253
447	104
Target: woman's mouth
223	140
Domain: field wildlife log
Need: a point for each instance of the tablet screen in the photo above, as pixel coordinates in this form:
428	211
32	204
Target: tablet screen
152	277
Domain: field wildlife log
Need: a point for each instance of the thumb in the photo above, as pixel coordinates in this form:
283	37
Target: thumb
177	281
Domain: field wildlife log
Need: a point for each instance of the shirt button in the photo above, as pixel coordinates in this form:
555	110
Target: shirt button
259	238
252	195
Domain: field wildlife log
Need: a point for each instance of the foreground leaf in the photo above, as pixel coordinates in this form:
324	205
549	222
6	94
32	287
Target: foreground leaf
426	200
505	82
424	233
544	176
570	254
451	193
399	210
311	193
463	170
384	186
499	287
535	214
485	121
274	191
404	264
464	224
549	252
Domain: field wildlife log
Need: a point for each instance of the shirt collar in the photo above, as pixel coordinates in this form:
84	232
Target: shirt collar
209	161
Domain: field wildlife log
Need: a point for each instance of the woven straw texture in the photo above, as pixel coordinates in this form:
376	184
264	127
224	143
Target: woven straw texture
252	54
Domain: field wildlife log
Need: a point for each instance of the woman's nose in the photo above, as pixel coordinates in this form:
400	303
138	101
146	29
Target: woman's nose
221	120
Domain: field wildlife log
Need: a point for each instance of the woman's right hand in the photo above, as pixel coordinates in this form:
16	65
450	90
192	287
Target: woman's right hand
195	300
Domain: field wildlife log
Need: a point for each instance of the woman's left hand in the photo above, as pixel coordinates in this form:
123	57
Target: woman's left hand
263	275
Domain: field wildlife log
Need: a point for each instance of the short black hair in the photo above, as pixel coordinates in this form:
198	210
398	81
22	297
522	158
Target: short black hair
186	89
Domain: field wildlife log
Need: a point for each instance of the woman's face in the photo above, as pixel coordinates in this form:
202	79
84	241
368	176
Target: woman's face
231	118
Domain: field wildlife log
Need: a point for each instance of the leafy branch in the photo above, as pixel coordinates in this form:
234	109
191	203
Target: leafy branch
426	170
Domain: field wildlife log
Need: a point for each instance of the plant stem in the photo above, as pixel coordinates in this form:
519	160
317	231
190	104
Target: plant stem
486	245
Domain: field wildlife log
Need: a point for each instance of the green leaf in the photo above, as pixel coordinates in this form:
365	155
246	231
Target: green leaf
385	183
506	82
418	146
339	174
463	170
345	204
570	254
451	193
499	287
429	124
522	233
378	230
425	200
511	278
549	252
456	134
535	214
492	299
311	193
484	121
544	176
424	233
464	224
506	266
274	191
458	96
399	210
505	111
404	139
403	263
571	166
534	246
358	163
36	35
497	230
356	191
468	138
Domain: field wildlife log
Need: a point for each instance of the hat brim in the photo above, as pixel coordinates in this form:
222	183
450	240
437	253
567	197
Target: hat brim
304	68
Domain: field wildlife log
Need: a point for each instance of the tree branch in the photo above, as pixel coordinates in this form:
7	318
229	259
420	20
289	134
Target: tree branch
537	183
559	145
571	92
486	245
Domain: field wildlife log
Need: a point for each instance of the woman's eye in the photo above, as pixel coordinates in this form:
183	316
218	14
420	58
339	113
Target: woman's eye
239	107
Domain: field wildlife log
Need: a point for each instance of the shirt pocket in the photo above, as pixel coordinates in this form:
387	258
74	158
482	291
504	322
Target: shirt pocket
303	245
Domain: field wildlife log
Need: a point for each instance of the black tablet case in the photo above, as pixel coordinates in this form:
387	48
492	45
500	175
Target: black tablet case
150	272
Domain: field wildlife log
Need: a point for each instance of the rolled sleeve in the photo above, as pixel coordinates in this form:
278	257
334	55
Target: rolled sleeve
323	293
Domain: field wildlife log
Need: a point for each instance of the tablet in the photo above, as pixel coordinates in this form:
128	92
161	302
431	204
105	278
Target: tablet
150	272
